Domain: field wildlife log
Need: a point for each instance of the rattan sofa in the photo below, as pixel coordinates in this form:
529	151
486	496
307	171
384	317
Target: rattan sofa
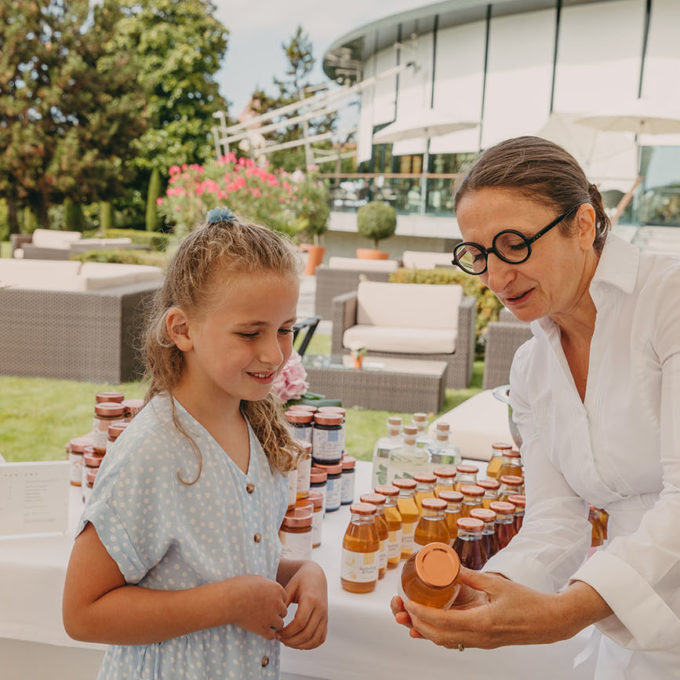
503	338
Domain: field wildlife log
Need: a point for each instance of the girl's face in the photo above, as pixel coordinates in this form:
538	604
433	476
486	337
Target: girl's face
244	339
551	282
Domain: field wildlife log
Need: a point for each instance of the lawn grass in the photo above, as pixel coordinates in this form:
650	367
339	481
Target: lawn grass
38	416
5	249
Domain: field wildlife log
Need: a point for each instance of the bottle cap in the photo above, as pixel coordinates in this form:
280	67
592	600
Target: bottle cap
318	476
445	473
411	430
298	416
373	498
467	469
483	514
92	460
419	417
348	462
387	490
298	517
502	507
472	490
109	409
404	483
116	428
79	444
317	498
332	409
513	453
433	503
442	426
437	564
116	397
492	484
470	524
425	478
518	500
394	421
332	469
512	480
362	509
451	496
327	418
501	446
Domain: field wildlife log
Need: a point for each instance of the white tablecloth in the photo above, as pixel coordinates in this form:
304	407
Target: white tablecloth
363	639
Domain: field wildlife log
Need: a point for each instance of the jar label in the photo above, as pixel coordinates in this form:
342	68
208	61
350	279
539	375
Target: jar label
327	445
292	488
304	470
408	529
296	546
359	567
317	524
333	493
394	540
76	460
303	433
382	555
347	487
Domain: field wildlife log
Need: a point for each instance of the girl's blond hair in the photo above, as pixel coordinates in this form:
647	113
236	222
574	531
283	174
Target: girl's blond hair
224	247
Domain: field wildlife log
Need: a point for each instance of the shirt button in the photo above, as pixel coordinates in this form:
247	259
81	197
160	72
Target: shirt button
265	661
250	487
257	538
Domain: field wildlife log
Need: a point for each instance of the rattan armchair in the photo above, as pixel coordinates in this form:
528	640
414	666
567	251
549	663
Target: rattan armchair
503	339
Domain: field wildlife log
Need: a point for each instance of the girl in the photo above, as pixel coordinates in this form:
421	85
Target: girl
176	563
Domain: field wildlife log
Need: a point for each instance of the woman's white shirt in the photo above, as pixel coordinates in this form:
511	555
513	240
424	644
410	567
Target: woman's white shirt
619	450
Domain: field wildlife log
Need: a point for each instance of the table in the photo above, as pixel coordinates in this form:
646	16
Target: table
363	640
382	383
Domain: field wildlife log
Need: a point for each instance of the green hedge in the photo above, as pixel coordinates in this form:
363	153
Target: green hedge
154	239
488	305
124	257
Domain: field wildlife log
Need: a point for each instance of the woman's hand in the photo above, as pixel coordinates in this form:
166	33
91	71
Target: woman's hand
490	612
307	588
259	602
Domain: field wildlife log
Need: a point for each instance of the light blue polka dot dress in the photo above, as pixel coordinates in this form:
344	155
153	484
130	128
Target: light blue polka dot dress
169	536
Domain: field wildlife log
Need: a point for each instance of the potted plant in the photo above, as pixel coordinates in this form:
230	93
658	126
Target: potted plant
313	213
376	221
357	353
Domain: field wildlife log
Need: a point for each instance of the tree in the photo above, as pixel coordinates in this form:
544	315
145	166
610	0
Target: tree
70	100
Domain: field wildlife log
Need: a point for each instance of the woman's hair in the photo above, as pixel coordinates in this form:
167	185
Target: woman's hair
543	172
205	259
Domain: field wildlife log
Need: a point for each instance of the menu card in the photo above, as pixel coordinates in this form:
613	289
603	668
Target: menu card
34	497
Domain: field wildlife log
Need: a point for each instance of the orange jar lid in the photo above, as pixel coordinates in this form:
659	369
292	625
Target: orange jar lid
437	564
445	473
470	524
425	478
133	406
501	446
513	453
109	409
316	498
115	429
512	480
348	462
298	518
404	483
483	514
492	484
302	407
92	460
518	500
467	469
451	496
298	416
327	418
433	503
472	490
332	409
304	503
332	469
373	498
117	397
79	444
387	490
362	509
502	507
317	476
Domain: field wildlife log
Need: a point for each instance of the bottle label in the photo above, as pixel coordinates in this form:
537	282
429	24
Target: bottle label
296	546
394	544
317	523
382	555
359	567
408	529
406	462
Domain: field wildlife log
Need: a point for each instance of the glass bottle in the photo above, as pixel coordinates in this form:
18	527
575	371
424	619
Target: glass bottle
431	526
453	511
489	538
304	469
360	545
519	501
393	519
408	510
446	477
505	524
381	527
465	474
604	518
423	439
441	449
382	448
295	533
430	576
468	543
491	488
348	479
510	484
512	464
472	498
496	460
597	537
424	487
407	460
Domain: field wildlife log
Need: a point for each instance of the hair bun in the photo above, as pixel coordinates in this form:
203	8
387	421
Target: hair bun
221	214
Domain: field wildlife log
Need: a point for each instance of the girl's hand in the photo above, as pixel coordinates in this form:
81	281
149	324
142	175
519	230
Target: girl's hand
260	603
306	587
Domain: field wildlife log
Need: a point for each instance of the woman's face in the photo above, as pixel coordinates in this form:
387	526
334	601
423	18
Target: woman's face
553	279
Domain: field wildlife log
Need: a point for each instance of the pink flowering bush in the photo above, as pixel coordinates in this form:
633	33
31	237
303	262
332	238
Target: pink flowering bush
291	382
256	194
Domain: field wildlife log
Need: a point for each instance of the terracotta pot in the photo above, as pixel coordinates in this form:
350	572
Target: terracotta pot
314	258
371	254
358	361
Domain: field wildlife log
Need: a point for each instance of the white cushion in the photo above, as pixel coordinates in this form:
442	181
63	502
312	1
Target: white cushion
96	275
18	253
410	305
405	340
418	259
476	424
353	263
53	238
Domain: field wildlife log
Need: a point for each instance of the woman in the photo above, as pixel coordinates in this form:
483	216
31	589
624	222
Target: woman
593	393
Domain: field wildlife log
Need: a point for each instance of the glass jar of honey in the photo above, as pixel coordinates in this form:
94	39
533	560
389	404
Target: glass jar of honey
496	460
360	546
472	498
301	424
114	430
491	488
304	469
505	525
131	407
597	536
489	538
512	464
446	477
520	502
408	510
292	488
453	512
468	543
430	576
510	484
328	441
296	533
424	487
431	526
381	527
393	519
465	474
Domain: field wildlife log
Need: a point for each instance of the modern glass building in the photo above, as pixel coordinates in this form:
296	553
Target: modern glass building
514	67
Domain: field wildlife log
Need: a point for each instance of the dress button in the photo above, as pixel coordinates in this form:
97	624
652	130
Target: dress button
257	537
265	661
250	487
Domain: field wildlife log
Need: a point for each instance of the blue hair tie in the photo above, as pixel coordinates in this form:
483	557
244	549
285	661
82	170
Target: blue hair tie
222	214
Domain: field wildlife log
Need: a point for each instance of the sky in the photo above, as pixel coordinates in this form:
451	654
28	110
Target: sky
258	27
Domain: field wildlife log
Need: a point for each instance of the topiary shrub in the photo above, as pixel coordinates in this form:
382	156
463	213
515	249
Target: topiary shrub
123	256
376	221
105	216
153	239
152	219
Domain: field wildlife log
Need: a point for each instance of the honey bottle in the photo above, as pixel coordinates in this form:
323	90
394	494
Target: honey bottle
381	527
491	488
453	512
431	526
489	538
424	487
360	546
510	484
472	498
465	474
393	519
597	537
505	525
430	576
468	543
408	509
604	519
512	464
519	501
446	478
496	460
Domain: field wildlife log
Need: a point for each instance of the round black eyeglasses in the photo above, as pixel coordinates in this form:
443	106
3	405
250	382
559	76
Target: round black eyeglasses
509	245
